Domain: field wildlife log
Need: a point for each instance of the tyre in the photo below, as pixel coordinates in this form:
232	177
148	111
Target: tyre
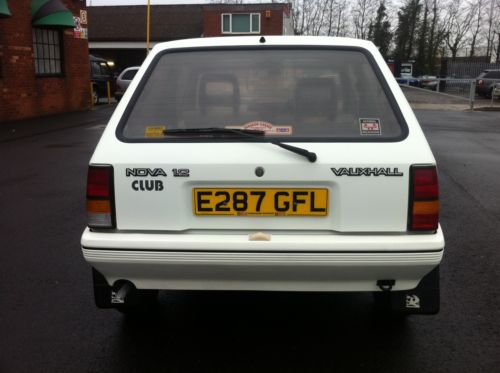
143	302
385	306
95	96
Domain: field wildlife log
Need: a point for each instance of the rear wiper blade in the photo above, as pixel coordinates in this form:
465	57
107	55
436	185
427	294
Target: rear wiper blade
312	157
212	131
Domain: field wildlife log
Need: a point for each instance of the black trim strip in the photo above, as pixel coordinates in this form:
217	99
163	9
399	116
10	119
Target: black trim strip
388	92
268	252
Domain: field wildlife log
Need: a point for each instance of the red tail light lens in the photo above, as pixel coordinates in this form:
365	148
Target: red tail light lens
424	199
98	181
100	201
480	82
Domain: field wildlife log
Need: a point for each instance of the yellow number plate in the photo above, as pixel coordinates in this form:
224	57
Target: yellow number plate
260	202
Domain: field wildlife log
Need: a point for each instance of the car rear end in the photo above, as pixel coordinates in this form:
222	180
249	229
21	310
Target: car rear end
485	82
123	81
217	210
429	82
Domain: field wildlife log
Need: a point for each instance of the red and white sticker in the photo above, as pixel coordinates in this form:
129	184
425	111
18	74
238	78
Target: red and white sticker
370	126
267	127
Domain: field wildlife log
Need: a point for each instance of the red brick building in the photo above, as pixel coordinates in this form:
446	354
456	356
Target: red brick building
118	33
44	63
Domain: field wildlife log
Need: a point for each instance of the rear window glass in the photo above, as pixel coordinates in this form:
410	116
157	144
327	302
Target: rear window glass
310	95
129	75
493	75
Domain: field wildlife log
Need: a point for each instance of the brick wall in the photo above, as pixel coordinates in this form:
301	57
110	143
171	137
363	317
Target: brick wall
268	26
22	94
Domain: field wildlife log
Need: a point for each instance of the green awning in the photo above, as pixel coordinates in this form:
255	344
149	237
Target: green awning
4	9
50	13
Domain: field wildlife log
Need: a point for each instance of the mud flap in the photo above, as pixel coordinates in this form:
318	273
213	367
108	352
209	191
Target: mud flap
423	300
102	291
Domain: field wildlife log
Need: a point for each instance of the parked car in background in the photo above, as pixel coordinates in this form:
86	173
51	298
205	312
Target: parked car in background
408	80
496	90
123	81
485	82
100	75
428	82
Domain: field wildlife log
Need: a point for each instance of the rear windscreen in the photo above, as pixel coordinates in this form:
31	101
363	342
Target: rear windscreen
296	95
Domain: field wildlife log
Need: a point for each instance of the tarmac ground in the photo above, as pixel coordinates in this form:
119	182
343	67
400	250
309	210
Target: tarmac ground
49	322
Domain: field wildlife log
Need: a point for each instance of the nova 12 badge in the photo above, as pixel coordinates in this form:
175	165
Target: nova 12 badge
148	179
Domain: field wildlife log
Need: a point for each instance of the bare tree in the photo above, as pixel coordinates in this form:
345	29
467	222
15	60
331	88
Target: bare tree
490	32
497	49
496	27
492	27
363	13
437	33
305	14
336	17
477	8
320	17
459	19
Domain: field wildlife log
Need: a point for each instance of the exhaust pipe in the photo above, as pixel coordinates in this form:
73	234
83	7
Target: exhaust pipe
123	292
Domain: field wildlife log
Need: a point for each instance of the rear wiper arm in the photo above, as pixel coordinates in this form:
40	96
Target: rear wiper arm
312	157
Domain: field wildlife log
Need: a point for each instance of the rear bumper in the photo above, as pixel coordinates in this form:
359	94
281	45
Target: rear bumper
286	263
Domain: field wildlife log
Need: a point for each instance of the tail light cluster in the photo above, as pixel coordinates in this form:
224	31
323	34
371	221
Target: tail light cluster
424	199
480	82
100	197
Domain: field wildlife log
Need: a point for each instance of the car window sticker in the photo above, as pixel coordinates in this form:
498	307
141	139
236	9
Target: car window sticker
370	126
267	127
154	131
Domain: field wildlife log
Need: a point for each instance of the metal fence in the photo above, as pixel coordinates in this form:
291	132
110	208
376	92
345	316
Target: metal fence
465	69
463	90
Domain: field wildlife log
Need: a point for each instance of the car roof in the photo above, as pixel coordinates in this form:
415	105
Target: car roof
94	58
246	41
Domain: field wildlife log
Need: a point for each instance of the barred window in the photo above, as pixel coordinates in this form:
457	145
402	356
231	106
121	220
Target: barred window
47	52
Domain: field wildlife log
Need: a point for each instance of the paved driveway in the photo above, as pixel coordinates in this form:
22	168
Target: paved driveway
48	321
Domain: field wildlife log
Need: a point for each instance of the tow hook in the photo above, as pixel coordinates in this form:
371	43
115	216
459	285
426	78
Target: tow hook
386	285
120	295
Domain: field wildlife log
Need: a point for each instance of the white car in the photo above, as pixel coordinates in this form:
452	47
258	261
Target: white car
123	81
264	164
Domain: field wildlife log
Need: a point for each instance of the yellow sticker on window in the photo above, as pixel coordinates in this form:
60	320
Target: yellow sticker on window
154	131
